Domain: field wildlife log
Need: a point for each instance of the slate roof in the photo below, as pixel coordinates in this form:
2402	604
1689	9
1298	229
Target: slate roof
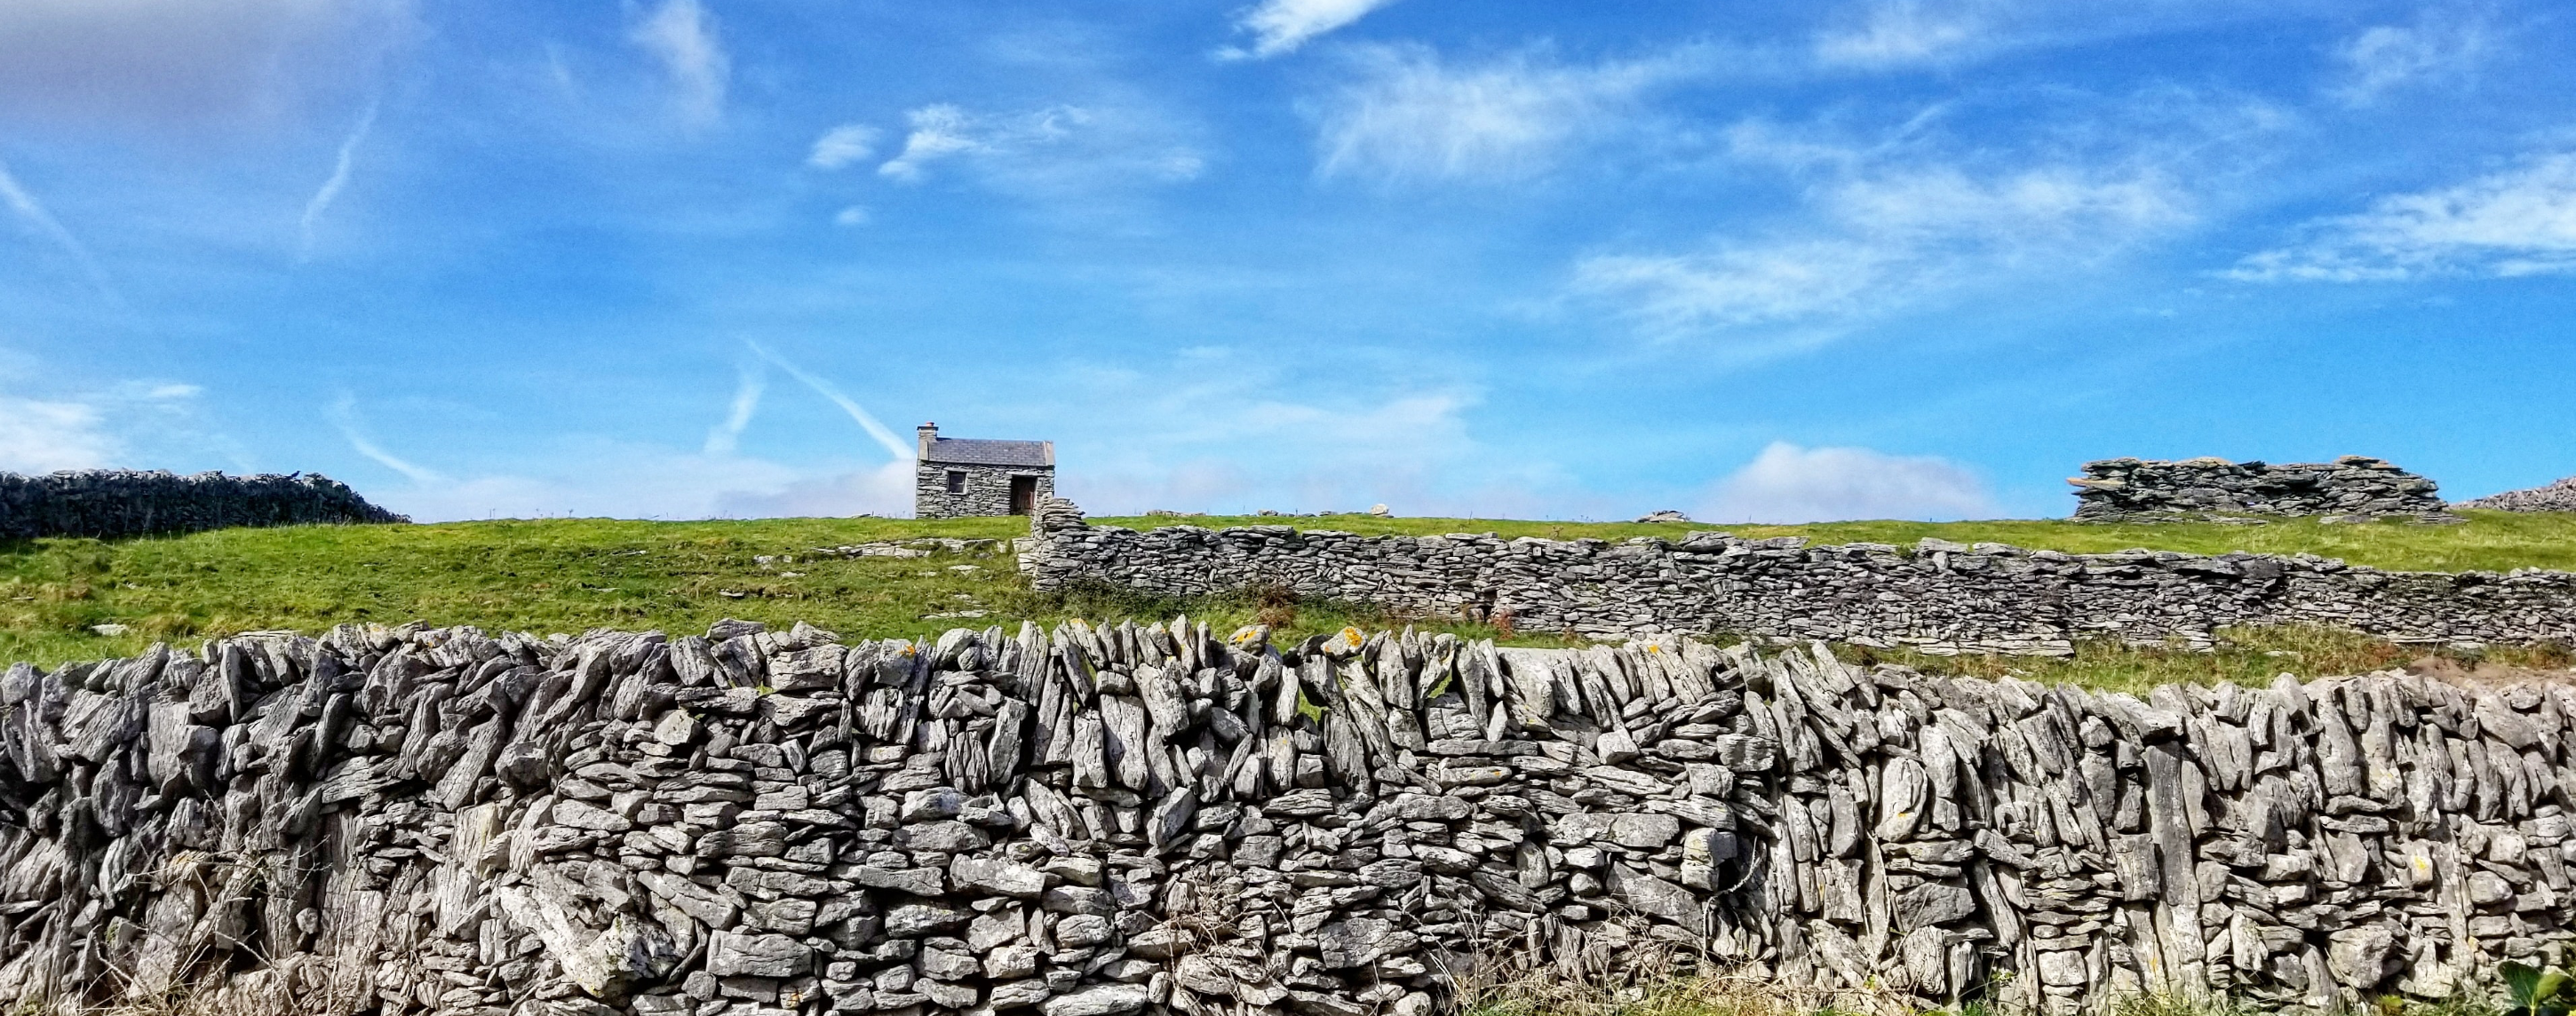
970	451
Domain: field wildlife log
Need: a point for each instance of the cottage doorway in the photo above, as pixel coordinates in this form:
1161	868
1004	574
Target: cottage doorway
1024	494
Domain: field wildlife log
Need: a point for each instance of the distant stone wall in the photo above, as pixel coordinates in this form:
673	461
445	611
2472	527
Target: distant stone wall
2554	496
112	503
1940	595
2135	490
1149	819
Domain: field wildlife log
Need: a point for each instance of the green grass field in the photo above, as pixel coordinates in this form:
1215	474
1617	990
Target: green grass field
568	575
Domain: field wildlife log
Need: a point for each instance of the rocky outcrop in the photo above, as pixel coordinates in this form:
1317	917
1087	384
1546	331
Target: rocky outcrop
1150	819
1938	595
112	503
2554	496
2204	489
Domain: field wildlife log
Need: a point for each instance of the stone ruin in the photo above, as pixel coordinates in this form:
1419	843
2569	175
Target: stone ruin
114	502
2214	489
2554	496
1098	821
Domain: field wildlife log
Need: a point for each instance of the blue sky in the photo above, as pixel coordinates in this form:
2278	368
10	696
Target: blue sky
1873	258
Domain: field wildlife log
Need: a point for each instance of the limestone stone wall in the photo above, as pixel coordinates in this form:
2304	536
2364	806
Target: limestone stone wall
2357	486
987	489
2555	496
1937	595
111	503
1158	819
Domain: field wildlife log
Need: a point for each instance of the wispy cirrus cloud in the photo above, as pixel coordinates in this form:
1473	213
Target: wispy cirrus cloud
681	35
1880	235
2518	221
1405	113
1899	33
845	145
2439	46
1054	150
1281	26
1911	212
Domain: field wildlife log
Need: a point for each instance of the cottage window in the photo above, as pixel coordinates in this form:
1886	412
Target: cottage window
956	481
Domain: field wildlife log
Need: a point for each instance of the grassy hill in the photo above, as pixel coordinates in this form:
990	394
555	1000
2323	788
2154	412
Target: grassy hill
567	575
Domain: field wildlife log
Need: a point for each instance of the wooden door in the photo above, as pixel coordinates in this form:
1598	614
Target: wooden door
1024	494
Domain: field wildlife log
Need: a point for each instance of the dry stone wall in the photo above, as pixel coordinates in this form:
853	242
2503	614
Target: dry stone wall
2554	496
111	503
1153	819
2356	486
1940	596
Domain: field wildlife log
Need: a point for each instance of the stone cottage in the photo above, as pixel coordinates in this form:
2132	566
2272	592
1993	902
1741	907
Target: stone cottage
956	477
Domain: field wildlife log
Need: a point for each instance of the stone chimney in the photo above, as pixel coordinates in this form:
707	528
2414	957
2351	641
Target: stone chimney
928	433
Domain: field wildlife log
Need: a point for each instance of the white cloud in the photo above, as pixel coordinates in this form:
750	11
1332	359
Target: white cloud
1219	430
38	436
99	428
2520	221
943	130
1058	150
641	481
1787	483
636	480
884	490
1884	237
2386	57
1737	286
1900	33
1280	26
1406	114
847	144
683	37
338	180
854	215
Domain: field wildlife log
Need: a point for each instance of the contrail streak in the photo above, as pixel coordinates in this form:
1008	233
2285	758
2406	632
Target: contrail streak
339	179
893	445
34	212
746	401
344	415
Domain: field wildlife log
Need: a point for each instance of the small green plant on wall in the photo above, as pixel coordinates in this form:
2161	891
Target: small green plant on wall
2532	991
